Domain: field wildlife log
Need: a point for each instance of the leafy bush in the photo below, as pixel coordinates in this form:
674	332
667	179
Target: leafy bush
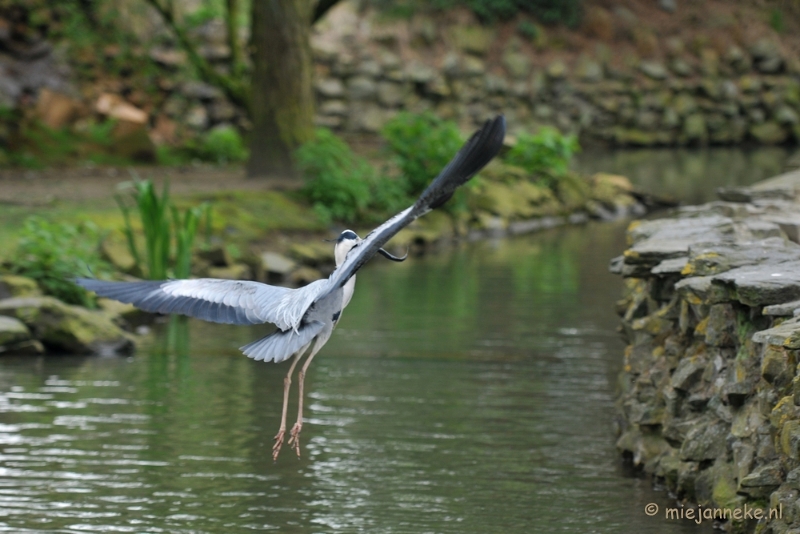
337	182
528	29
423	144
546	154
776	20
54	253
222	145
566	12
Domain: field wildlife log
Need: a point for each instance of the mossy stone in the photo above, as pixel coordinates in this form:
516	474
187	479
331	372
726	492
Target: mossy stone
18	286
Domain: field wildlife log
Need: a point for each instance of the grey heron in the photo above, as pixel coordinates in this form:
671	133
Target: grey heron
305	317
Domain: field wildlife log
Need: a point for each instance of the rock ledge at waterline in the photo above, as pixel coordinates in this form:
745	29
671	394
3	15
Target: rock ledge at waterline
504	204
710	400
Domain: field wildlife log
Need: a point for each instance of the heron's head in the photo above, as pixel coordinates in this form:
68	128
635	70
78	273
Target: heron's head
346	241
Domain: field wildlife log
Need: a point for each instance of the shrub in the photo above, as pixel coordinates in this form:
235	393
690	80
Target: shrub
54	253
423	144
546	154
337	182
528	29
566	12
222	145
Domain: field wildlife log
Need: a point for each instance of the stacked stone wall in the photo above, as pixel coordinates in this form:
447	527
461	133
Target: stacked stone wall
368	69
710	400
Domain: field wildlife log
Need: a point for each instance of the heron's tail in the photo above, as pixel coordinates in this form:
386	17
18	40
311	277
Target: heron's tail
282	344
472	157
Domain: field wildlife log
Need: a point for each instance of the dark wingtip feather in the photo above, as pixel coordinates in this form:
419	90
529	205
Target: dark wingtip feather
476	153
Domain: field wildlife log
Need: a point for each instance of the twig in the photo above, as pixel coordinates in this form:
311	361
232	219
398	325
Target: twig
234	89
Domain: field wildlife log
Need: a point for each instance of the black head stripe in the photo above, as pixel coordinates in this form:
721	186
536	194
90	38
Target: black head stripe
347	234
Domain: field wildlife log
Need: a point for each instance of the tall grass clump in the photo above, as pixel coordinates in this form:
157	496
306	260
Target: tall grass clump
546	154
162	223
55	253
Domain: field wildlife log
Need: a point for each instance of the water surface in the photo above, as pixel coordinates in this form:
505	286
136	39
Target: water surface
470	391
467	391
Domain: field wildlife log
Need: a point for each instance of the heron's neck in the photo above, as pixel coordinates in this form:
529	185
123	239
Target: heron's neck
348	289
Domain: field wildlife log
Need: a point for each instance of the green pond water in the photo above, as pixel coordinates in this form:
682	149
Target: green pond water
466	391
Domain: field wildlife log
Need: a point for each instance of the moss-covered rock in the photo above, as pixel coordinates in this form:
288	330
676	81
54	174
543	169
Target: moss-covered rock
12	331
68	328
18	286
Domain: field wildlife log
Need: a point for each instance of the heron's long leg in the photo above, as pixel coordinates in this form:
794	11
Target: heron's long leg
287	382
294	437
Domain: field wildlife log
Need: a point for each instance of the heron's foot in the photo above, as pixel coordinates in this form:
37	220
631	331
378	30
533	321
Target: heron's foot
276	449
294	438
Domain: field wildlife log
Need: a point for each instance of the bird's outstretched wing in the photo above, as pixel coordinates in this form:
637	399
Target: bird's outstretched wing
472	157
219	301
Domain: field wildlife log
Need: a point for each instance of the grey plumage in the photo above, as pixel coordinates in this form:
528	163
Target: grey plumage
247	303
305	317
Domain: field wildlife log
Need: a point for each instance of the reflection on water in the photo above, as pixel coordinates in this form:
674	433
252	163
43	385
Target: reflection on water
467	391
690	175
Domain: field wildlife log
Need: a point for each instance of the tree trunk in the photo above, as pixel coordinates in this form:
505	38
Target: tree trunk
282	96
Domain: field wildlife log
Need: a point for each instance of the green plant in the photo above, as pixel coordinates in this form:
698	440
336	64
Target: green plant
337	182
54	253
528	29
566	12
423	144
545	155
776	20
161	221
222	145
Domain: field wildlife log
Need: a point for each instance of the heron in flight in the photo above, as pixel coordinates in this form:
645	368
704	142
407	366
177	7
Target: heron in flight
305	317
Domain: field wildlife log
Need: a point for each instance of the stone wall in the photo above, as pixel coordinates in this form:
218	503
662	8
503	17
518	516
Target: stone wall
710	400
642	90
369	68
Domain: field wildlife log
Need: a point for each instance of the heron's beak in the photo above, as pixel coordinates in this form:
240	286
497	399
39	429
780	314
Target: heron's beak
391	257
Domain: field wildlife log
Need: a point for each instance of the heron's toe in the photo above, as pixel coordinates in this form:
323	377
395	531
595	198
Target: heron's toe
294	438
276	448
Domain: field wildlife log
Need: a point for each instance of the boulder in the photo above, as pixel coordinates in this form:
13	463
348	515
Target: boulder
235	271
314	254
304	275
472	39
57	110
391	94
196	117
768	133
277	264
333	107
556	69
361	88
705	442
589	70
12	285
216	256
763	284
132	141
115	250
122	314
694	128
654	70
68	328
12	332
762	481
115	107
200	90
517	63
329	87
